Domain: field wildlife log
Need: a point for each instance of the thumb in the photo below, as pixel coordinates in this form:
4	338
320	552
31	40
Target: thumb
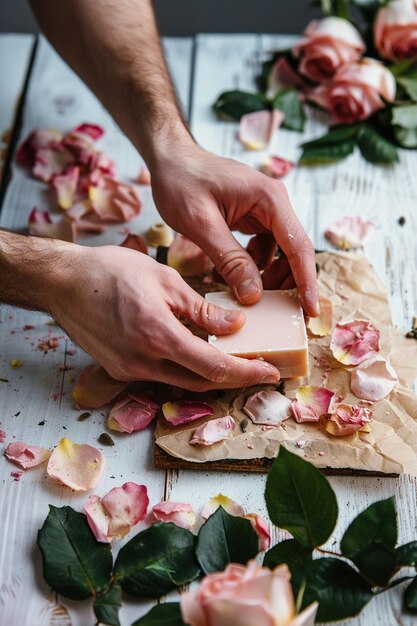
209	317
232	262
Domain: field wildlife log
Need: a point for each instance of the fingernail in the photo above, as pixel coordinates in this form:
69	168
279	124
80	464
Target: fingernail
232	316
249	290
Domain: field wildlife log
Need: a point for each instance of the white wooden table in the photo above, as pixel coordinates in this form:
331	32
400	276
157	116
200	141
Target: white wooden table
40	391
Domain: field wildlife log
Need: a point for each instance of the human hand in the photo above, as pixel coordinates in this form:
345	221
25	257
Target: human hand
120	306
204	197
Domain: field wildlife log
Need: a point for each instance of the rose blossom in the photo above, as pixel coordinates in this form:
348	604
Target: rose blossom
395	30
245	596
356	91
326	45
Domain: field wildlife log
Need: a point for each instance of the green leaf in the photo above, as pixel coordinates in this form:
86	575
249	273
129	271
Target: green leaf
340	591
75	565
156	561
168	614
300	499
376	563
231	105
375	147
289	552
225	539
410	596
404	125
410	86
405	73
335	145
377	523
288	101
407	554
107	606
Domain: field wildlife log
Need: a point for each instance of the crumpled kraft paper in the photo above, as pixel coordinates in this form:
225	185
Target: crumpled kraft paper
391	446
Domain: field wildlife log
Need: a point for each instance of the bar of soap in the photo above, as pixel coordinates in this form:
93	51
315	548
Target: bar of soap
274	330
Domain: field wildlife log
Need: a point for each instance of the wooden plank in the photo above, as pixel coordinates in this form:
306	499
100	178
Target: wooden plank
319	195
15	51
36	403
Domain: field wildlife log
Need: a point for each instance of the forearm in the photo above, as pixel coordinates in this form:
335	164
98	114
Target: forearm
32	271
114	47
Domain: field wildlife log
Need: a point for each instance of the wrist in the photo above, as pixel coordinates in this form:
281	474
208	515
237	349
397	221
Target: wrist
164	143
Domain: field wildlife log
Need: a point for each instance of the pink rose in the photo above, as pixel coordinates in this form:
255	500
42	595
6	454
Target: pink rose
356	91
327	44
395	30
246	596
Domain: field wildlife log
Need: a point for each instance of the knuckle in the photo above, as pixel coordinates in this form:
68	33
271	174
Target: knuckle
218	372
231	263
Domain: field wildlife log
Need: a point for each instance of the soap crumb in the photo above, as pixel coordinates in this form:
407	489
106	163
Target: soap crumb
321	453
301	443
250	446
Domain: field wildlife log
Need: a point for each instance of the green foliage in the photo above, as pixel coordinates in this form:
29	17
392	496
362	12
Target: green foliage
339	589
335	145
374	146
231	105
404	125
107	606
156	561
288	101
407	554
405	74
410	596
74	563
290	552
299	498
167	614
225	539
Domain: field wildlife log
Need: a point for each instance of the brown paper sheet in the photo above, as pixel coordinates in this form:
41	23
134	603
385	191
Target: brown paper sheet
391	446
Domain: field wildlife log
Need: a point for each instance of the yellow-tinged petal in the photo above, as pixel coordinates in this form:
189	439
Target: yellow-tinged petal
78	466
322	325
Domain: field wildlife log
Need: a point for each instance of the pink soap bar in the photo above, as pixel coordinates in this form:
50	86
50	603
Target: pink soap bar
274	330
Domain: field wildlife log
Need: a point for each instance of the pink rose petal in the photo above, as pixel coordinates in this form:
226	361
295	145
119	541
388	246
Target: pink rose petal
133	412
135	242
213	431
276	167
346	419
78	466
180	514
42	138
373	380
113	201
354	342
257	129
94	387
93	131
262	528
350	232
51	160
112	516
185	411
187	258
63	229
65	185
321	326
311	403
25	455
229	505
268	407
36	216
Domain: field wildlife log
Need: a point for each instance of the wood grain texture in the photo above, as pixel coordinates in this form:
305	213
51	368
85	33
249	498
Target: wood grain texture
15	51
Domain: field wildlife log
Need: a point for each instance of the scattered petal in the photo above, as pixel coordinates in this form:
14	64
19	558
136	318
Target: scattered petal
180	514
276	167
94	387
16	363
185	411
135	242
354	342
373	380
50	161
132	413
350	232
39	217
113	201
25	455
262	528
17	475
65	185
257	129
93	131
144	177
213	431
187	258
42	138
229	505
268	407
76	465
321	326
64	229
311	403
346	419
112	516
